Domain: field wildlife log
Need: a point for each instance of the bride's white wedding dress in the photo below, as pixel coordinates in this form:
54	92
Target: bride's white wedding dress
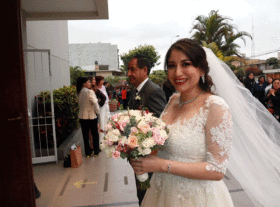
205	137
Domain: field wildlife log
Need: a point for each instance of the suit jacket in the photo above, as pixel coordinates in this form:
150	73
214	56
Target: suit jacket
88	104
152	97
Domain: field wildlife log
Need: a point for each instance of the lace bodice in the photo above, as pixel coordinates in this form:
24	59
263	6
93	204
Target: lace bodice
205	137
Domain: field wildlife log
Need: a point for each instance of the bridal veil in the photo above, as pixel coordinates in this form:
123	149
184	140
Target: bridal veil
255	154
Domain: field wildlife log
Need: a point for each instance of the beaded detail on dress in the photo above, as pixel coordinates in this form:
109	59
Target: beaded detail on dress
205	137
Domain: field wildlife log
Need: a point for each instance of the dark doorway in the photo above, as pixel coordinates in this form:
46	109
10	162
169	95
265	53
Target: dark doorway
17	185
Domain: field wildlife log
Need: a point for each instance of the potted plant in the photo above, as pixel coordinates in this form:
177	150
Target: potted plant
113	104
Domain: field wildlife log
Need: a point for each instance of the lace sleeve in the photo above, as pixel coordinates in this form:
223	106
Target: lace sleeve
218	131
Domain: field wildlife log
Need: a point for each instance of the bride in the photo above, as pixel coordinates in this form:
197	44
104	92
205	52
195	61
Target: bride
209	133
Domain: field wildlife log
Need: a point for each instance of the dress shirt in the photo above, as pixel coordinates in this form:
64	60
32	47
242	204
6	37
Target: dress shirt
141	85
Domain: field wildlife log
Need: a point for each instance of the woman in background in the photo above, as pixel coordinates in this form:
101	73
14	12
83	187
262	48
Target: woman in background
88	110
259	89
104	110
269	82
100	96
101	101
249	82
274	97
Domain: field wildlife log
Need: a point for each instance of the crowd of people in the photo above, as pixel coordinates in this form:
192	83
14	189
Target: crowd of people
266	91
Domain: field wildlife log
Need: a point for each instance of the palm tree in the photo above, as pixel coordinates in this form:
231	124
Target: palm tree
215	28
211	28
227	59
230	48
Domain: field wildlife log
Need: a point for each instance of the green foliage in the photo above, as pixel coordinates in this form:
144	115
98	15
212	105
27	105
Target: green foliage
239	71
147	50
158	76
213	46
215	28
76	72
273	61
115	80
66	111
112	79
227	59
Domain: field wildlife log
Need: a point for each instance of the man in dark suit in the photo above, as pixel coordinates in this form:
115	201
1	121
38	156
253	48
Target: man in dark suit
151	95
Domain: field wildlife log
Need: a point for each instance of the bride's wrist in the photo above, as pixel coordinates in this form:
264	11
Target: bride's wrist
166	167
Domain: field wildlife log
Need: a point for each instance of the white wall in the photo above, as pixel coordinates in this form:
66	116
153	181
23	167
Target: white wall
87	54
52	35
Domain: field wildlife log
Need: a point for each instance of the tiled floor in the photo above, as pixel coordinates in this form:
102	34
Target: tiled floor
100	181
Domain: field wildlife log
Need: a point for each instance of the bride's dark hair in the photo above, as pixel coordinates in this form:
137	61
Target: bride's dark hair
197	56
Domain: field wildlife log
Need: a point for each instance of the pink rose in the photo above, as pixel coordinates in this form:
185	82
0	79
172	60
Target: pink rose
115	117
132	141
122	124
158	139
109	142
108	127
133	130
155	130
116	154
144	128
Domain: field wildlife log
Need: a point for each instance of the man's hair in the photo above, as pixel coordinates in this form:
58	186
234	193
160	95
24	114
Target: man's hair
142	62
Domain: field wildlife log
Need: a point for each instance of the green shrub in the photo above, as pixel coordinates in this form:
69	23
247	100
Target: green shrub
66	111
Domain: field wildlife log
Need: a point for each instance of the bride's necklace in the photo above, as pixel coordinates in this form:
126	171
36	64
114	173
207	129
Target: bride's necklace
186	102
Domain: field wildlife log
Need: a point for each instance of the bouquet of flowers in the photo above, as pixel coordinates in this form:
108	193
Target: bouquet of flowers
134	133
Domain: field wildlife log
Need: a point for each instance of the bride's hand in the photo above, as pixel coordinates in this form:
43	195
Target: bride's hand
145	164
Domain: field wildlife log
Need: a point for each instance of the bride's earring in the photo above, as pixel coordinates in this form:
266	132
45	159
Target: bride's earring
203	79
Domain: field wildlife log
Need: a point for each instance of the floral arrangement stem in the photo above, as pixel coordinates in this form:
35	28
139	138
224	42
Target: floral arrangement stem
143	181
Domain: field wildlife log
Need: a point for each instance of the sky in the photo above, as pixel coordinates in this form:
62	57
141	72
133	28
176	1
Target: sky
157	22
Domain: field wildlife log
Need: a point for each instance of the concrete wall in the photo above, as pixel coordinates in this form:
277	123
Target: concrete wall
87	54
52	35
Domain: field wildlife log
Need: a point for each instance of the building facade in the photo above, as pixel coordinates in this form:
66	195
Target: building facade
95	58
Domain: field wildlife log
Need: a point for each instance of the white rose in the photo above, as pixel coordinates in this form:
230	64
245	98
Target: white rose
124	118
148	143
116	132
135	113
123	140
146	151
112	136
103	146
109	151
140	151
163	134
149	118
142	122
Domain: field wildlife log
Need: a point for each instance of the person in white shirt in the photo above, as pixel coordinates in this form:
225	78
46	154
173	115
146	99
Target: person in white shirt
269	80
88	110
